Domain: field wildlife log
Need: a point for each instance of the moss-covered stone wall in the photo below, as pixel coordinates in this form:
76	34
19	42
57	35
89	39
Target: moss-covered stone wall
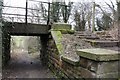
93	63
86	67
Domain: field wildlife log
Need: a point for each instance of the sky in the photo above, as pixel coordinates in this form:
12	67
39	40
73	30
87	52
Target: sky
22	3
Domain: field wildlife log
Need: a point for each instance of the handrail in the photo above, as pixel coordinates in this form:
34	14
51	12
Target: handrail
26	9
19	15
48	2
19	7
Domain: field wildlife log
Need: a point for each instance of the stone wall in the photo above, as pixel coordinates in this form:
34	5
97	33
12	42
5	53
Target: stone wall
93	63
43	50
5	46
1	3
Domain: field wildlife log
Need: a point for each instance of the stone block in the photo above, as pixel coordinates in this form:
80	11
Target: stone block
99	54
104	63
57	36
108	67
89	64
70	61
85	73
67	31
102	43
61	26
99	67
113	75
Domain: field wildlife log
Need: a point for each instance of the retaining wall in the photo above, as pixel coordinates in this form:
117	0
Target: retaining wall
93	63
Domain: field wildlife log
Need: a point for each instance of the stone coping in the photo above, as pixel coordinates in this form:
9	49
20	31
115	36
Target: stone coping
57	36
99	54
102	41
70	60
64	31
60	26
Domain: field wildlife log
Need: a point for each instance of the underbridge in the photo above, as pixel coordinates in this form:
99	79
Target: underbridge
14	24
93	62
26	29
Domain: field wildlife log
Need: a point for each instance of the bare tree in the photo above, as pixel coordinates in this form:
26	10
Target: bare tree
114	11
66	10
82	15
108	16
37	13
118	10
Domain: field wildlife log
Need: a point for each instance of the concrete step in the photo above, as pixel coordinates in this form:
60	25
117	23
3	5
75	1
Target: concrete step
102	43
99	54
92	37
85	36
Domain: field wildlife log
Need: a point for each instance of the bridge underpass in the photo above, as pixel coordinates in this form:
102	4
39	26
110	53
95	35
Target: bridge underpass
20	64
52	52
16	24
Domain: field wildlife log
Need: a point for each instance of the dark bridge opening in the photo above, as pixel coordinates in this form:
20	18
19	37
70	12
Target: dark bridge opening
26	58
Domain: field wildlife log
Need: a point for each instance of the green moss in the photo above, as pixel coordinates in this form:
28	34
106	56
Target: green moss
60	48
64	31
71	61
59	26
99	54
57	36
67	31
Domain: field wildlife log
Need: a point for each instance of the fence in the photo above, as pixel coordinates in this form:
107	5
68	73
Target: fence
34	12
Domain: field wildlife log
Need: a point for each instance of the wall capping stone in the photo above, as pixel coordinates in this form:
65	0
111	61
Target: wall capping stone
64	31
61	26
57	36
70	61
99	54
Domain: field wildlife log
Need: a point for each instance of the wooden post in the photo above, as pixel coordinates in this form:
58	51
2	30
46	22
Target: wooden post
118	20
65	13
118	9
48	14
93	18
1	47
26	10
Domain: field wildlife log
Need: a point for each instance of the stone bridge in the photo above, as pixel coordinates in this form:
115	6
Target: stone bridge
26	29
92	63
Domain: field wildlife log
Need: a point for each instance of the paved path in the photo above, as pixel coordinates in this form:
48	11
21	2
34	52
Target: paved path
24	65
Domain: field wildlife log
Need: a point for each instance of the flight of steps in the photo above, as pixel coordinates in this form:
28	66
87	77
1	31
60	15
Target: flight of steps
99	40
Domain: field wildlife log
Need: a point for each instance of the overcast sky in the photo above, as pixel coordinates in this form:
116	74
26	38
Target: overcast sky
22	2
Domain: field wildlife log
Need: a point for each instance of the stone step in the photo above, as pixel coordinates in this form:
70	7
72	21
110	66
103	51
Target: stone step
81	37
92	37
99	54
85	36
100	63
113	48
106	37
102	43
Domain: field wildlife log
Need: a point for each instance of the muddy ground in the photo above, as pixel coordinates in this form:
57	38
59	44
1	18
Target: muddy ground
24	65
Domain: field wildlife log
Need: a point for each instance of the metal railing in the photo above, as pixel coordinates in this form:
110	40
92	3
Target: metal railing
27	16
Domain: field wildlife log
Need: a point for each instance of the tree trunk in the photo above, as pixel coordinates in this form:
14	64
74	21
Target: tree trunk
118	10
